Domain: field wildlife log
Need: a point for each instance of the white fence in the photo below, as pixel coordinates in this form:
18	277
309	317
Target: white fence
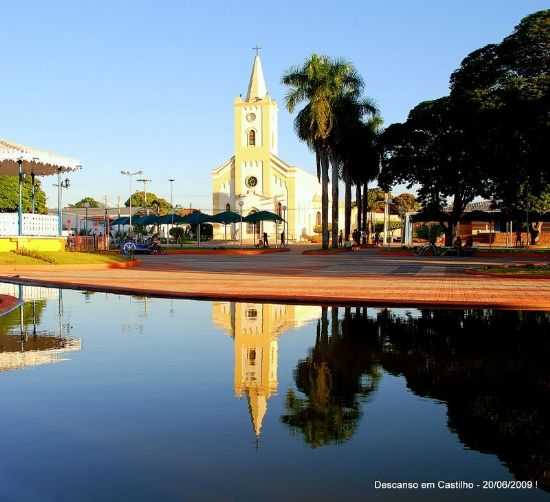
33	224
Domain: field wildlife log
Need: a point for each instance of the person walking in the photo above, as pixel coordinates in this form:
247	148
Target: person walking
283	244
266	243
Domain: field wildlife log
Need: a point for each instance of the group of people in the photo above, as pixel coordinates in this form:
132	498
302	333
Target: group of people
264	241
360	237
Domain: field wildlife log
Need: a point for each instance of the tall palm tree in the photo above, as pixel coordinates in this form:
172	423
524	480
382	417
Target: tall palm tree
319	83
351	143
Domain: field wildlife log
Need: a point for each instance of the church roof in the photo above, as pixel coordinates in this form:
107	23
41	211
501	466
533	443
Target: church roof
256	87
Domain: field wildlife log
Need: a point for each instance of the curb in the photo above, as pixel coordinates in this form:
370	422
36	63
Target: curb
226	251
124	264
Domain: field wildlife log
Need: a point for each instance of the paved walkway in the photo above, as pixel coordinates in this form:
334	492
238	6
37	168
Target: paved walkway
349	278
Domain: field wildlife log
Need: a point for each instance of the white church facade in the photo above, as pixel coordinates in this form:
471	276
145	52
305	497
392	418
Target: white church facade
256	179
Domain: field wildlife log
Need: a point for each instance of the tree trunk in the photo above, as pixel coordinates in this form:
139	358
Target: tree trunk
324	198
535	231
334	322
358	205
335	203
347	209
365	206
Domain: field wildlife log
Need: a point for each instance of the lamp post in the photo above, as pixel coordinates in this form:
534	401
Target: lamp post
66	183
20	205
285	227
241	204
171	180
145	181
130	176
86	206
33	188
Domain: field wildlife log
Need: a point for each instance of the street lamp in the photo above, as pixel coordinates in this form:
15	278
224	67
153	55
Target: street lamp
86	206
171	180
145	181
66	183
130	176
33	188
285	228
241	204
20	205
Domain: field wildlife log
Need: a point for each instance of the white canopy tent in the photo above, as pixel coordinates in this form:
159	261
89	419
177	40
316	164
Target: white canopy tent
18	160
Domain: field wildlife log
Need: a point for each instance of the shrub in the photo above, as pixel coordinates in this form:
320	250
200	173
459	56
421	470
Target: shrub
430	232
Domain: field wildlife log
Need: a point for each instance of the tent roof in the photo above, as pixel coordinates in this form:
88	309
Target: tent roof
197	218
35	161
226	217
262	216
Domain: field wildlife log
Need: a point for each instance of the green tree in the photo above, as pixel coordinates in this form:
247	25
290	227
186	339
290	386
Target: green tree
434	150
87	200
354	148
149	200
505	90
319	83
9	195
403	203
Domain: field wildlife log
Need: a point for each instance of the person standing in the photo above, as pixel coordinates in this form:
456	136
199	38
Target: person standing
340	238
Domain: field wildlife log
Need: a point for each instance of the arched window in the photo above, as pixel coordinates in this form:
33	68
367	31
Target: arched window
252	137
318	218
228	207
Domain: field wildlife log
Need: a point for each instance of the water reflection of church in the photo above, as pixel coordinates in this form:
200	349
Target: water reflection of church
255	328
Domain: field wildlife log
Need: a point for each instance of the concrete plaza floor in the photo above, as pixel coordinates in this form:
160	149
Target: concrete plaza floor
365	277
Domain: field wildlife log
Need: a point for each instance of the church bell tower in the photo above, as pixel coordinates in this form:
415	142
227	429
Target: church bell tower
256	138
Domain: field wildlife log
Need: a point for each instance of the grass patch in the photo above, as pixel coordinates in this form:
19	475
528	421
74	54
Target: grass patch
27	257
513	250
529	269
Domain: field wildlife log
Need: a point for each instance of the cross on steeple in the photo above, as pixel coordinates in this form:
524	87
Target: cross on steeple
257	49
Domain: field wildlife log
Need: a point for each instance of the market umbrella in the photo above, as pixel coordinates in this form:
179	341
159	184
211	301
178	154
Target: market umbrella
226	218
262	216
259	216
197	218
169	219
149	219
123	220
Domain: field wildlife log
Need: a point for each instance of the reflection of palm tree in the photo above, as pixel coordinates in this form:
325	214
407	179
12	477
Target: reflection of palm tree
332	377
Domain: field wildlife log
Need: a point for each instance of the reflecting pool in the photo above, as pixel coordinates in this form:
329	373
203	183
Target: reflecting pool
108	397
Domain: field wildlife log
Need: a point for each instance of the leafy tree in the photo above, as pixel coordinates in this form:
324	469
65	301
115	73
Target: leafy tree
87	200
354	148
504	90
149	200
319	83
404	203
9	195
430	232
433	150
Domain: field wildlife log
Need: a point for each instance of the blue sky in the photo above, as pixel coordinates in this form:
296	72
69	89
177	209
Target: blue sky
150	84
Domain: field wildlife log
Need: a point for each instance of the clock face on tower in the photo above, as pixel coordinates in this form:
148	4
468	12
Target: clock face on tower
251	181
250	117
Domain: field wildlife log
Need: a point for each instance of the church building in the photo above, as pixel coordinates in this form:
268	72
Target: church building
255	178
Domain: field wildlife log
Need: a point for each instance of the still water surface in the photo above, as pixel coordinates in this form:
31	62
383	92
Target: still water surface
108	397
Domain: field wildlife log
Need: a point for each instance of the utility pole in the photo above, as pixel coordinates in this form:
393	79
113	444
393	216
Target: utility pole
145	181
171	180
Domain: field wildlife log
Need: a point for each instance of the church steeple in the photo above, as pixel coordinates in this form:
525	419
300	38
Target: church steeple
256	87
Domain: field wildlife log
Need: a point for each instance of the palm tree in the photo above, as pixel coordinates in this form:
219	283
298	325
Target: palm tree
319	83
353	142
